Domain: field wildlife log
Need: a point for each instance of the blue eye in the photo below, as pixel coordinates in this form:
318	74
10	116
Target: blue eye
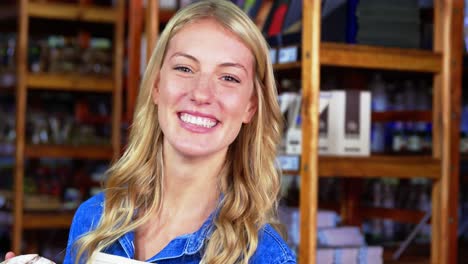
182	69
230	78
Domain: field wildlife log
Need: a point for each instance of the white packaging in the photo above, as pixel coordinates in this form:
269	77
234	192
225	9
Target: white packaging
346	236
294	132
358	255
288	162
325	133
350	127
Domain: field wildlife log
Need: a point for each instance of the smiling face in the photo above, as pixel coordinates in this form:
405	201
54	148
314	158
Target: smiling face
205	90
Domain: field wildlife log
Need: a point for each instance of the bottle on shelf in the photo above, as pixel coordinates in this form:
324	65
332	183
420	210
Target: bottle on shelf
379	95
379	103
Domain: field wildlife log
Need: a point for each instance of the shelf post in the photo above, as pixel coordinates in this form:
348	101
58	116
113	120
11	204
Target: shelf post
117	71
310	93
152	26
448	22
21	71
135	30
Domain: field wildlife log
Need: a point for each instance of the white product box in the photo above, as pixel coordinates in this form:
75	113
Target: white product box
344	127
294	132
288	162
350	255
351	119
345	236
288	54
325	134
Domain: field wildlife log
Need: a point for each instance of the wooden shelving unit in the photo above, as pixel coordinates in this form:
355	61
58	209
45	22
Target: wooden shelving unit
424	116
71	152
80	12
69	82
380	167
445	63
361	56
73	12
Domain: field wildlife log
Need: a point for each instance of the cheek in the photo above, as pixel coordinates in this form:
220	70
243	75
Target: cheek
170	90
236	104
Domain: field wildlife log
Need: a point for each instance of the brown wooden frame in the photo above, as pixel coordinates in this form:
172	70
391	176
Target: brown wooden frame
25	82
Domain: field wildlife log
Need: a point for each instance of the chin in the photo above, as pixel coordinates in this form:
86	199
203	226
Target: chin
198	151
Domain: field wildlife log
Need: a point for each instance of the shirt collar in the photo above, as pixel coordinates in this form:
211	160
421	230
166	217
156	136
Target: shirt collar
188	244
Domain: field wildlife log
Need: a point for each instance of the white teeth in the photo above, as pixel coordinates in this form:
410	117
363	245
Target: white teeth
197	120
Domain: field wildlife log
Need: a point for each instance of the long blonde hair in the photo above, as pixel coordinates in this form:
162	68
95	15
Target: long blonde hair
252	182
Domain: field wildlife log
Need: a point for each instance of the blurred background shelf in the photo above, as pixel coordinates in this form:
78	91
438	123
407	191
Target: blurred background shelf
362	56
69	82
380	166
73	152
423	116
74	12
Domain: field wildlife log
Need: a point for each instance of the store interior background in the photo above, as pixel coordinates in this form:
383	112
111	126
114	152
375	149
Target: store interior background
79	86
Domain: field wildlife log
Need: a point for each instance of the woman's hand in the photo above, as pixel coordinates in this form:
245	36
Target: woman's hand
9	255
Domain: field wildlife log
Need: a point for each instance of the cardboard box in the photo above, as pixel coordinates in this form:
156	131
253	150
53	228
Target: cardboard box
351	113
325	133
344	123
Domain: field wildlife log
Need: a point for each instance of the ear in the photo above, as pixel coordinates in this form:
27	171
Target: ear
155	91
250	110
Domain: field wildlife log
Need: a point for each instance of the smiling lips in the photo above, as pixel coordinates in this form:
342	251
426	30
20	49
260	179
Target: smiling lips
198	120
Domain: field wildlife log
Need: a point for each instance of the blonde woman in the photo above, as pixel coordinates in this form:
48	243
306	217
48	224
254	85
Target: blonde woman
197	182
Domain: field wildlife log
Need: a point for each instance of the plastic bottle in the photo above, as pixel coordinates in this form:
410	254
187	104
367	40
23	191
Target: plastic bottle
379	103
379	95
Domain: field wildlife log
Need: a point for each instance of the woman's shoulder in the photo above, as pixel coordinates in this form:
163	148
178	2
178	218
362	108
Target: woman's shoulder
90	211
272	248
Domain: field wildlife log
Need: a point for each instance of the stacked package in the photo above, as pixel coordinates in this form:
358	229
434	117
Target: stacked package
354	255
393	23
336	244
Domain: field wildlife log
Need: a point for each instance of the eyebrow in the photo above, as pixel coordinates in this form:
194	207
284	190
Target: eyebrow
185	55
232	64
226	64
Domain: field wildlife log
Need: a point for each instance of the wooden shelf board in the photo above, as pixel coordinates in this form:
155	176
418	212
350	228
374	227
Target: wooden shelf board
399	215
424	116
414	254
361	56
47	220
380	167
64	11
287	66
77	152
69	82
370	57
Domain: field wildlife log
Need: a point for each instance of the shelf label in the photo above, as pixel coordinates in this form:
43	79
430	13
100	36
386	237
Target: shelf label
273	53
288	54
288	162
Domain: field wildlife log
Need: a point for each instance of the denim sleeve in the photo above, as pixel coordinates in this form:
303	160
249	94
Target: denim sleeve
86	219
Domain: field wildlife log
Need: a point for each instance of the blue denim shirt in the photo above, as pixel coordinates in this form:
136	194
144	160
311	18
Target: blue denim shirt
183	249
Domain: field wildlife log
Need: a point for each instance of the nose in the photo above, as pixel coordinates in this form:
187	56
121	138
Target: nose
203	90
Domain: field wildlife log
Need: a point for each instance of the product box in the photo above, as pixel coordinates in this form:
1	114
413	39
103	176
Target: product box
350	255
344	123
351	120
325	134
294	131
